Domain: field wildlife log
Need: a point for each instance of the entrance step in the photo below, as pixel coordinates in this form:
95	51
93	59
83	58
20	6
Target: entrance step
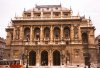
54	67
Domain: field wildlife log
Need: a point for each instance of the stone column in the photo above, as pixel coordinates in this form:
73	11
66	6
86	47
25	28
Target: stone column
72	33
31	34
14	34
41	14
41	34
61	33
61	14
21	33
51	34
51	14
50	58
38	58
79	34
32	14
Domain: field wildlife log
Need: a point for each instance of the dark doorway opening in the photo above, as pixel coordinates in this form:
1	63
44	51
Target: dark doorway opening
44	58
32	58
56	58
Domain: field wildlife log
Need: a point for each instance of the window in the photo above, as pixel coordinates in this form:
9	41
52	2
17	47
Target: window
76	32
85	38
56	32
27	33
17	33
37	33
67	32
47	32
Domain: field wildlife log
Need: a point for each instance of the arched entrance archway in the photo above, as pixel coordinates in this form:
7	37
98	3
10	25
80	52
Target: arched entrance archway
32	58
56	58
44	58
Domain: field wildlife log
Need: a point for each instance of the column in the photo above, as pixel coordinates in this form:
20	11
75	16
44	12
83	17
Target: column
51	34
61	14
79	34
38	58
51	14
41	14
61	32
31	34
21	33
32	14
72	34
50	58
41	34
14	34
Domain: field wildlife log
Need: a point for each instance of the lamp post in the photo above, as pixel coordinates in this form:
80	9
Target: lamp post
27	38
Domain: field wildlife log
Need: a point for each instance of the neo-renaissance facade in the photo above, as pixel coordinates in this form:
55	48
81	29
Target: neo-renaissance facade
49	35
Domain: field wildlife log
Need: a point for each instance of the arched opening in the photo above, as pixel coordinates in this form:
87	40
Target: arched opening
67	32
85	38
44	58
27	33
47	33
32	58
37	33
56	32
56	58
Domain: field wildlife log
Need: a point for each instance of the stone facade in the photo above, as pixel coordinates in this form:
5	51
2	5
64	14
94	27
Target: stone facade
97	42
2	46
49	35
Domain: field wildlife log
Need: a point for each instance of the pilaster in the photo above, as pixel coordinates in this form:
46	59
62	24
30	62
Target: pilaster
51	14
79	34
61	14
41	34
41	14
14	34
61	33
21	33
72	33
51	34
31	34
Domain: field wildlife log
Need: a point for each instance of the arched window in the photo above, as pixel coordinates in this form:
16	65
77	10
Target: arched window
47	32
32	58
76	32
67	32
37	33
17	33
27	33
44	58
56	32
11	35
85	38
56	58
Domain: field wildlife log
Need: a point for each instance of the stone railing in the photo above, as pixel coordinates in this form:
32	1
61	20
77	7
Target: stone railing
36	18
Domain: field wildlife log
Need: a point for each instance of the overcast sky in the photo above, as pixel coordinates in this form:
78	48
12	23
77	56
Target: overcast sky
10	8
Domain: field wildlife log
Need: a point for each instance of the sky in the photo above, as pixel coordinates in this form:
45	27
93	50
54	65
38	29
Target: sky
11	8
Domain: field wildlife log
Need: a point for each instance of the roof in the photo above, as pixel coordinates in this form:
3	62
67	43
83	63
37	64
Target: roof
48	6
